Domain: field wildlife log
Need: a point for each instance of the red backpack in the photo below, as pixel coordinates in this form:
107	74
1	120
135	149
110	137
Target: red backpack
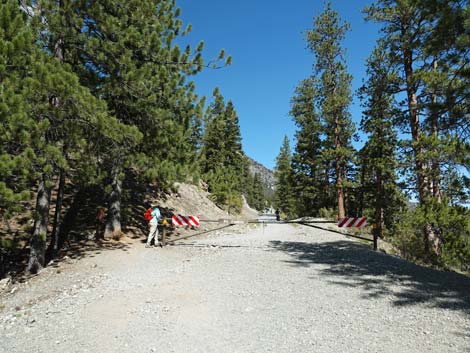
147	215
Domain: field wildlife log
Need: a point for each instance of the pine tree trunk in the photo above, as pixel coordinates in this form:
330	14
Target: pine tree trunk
339	174
39	235
2	264
434	233
361	195
379	210
430	234
436	172
329	188
55	102
340	193
113	222
422	184
54	245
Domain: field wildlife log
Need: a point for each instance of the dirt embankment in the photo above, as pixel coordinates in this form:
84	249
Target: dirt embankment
193	200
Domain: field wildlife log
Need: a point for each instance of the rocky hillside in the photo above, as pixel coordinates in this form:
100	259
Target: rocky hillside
267	175
193	200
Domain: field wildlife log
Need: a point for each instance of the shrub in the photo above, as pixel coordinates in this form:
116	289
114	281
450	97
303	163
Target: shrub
453	224
328	213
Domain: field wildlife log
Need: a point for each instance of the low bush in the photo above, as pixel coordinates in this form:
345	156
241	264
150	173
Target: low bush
451	222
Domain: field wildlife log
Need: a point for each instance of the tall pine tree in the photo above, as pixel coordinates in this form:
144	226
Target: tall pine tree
379	163
310	172
44	130
127	56
333	95
222	157
420	38
284	192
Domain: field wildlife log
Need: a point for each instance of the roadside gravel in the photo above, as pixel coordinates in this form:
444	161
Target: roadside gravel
278	288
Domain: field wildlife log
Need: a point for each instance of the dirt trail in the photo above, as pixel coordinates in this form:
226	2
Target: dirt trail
279	288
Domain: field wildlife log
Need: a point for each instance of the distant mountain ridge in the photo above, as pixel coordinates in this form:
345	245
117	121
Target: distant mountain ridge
266	175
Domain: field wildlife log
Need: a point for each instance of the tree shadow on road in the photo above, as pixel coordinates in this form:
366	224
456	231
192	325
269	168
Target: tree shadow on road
82	249
352	264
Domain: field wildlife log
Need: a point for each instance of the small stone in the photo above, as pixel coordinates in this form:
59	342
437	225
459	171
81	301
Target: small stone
5	283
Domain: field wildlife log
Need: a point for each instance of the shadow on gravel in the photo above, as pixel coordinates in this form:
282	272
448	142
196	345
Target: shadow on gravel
354	265
84	249
75	251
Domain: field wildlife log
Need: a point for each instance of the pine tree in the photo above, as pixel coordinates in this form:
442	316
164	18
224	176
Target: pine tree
223	160
421	42
406	26
284	193
333	95
258	198
213	156
44	130
378	156
127	56
235	157
311	185
16	51
447	95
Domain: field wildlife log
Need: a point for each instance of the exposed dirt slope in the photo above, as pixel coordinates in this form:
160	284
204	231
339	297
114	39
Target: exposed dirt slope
193	200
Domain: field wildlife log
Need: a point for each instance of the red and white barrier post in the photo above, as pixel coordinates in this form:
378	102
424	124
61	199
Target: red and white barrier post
185	221
352	222
356	222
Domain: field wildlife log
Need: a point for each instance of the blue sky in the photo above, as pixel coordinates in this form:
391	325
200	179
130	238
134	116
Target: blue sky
266	41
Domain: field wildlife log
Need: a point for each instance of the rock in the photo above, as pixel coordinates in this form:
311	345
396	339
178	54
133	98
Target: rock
5	283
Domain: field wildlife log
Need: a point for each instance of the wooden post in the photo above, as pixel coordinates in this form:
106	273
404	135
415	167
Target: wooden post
164	235
375	239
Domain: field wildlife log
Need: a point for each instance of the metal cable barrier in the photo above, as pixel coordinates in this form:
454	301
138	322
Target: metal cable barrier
194	222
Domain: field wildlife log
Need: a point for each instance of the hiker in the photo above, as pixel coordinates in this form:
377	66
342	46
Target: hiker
278	216
99	222
152	216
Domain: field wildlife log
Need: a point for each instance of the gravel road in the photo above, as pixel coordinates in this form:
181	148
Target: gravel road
278	288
